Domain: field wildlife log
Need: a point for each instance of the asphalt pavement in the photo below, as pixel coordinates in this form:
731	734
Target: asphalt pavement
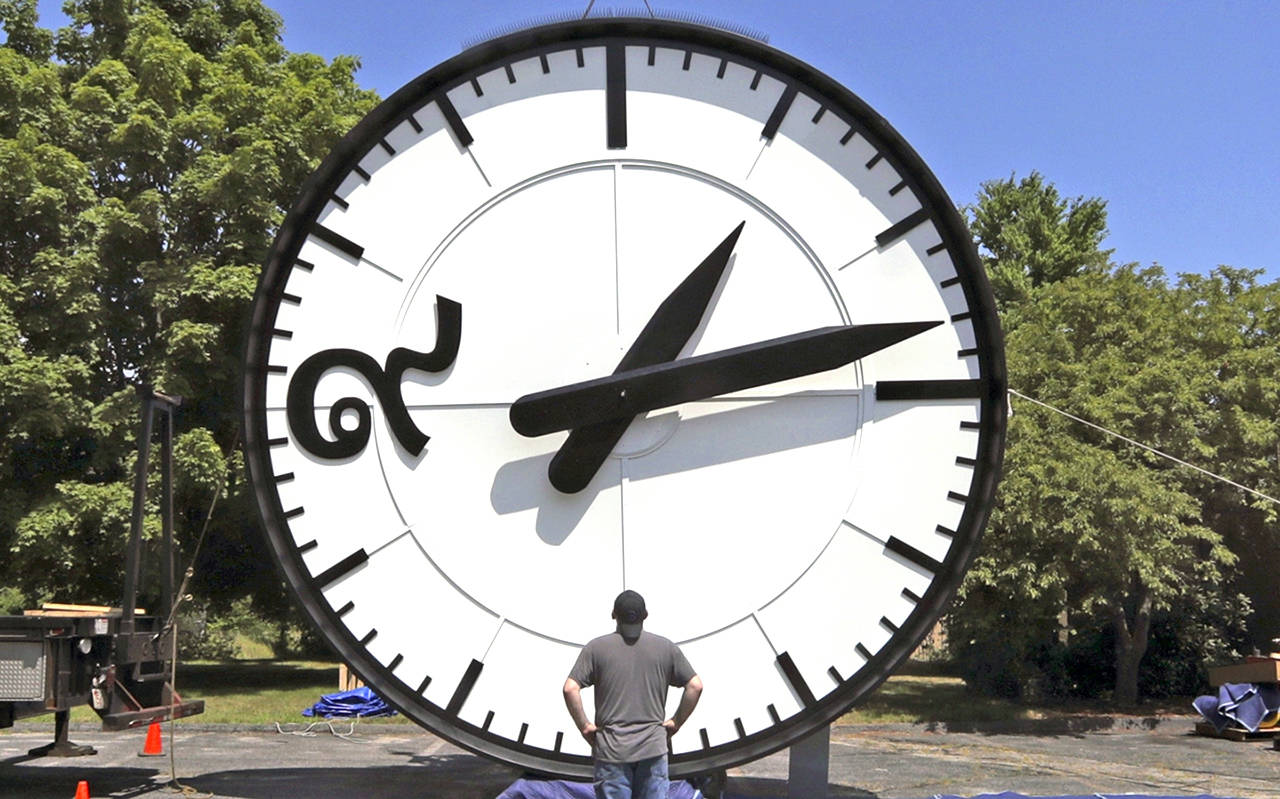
1081	757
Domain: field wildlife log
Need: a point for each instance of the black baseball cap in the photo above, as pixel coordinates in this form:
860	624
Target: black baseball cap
629	610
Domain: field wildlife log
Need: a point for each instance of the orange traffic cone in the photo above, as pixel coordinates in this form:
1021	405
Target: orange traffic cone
152	746
82	790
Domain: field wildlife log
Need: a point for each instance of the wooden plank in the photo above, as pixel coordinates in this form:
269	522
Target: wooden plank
1233	734
1261	670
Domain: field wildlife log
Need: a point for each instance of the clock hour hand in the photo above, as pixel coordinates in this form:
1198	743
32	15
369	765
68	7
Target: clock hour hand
662	338
637	391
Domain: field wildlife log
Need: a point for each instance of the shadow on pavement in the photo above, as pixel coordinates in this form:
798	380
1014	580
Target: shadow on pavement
460	776
59	782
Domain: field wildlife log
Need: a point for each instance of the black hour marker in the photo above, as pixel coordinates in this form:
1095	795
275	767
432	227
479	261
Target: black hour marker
294	513
581	61
306	266
862	650
822	109
875	159
277	442
903	549
278	333
475	87
369	636
511	74
341	203
724	64
307	547
947	531
949	282
902	184
902	228
653	51
688	59
795	679
422	686
488	719
963	461
970	425
960	317
395	661
928	389
835	675
559	741
273	369
464	687
413	123
907	593
966	352
737	726
293	299
779	111
706	742
888	625
342	568
615	95
546	65
454	120
386	147
755	82
345	609
283	478
935	249
773	714
524	730
957	496
359	170
337	241
846	138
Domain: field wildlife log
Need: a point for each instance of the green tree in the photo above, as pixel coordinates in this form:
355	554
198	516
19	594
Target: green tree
1085	523
1029	235
147	153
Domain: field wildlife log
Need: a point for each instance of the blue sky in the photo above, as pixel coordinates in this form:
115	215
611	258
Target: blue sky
1170	111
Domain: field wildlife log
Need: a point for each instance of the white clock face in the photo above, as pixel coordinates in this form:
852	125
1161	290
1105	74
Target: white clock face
520	213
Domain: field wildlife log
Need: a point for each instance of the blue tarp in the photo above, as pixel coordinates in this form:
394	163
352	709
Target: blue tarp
1240	704
564	789
346	704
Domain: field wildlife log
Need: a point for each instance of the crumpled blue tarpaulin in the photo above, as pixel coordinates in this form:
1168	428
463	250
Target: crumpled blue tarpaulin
357	702
564	789
1240	704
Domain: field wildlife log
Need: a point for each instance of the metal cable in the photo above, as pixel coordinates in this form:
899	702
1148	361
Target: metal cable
1150	449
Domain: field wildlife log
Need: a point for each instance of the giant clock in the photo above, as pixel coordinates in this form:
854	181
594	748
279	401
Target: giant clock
623	303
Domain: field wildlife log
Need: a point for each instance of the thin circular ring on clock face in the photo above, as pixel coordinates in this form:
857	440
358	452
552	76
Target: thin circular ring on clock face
522	219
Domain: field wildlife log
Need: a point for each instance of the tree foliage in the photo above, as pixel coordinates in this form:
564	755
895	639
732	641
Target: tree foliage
1086	524
147	153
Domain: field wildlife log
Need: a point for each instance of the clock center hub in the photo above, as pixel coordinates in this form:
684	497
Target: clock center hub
646	434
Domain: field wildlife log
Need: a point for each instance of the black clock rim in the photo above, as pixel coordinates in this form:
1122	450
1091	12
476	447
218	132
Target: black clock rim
632	31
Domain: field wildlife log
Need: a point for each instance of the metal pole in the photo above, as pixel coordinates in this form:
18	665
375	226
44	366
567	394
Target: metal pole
166	511
809	766
133	552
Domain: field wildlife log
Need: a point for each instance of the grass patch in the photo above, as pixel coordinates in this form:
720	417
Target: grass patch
260	692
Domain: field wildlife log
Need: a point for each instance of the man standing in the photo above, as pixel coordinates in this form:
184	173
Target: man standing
631	670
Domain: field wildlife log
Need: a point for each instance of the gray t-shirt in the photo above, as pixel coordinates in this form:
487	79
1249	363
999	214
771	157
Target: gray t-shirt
631	680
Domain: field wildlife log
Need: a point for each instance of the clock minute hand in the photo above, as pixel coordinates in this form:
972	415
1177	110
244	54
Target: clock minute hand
637	391
666	333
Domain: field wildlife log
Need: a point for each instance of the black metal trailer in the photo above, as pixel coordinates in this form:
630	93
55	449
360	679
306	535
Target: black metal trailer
114	660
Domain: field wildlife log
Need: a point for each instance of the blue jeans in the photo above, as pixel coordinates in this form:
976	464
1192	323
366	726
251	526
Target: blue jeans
644	779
